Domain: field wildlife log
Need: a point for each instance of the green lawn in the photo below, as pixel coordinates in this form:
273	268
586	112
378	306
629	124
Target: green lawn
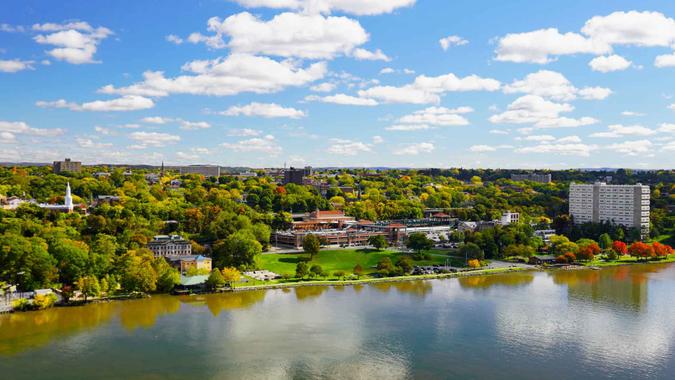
343	260
626	260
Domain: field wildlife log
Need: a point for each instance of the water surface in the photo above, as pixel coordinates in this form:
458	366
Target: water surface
617	322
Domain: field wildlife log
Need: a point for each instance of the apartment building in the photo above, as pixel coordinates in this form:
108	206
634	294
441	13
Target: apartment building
626	205
534	177
170	245
66	166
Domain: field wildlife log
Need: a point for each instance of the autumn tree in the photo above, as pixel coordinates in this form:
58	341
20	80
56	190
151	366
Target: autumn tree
641	250
89	286
619	247
311	245
231	275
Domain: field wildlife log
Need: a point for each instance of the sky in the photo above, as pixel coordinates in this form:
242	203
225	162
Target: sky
396	83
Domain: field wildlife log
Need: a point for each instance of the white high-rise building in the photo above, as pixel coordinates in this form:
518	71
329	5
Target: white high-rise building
626	205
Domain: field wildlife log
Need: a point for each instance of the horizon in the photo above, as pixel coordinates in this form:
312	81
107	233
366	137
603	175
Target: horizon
405	84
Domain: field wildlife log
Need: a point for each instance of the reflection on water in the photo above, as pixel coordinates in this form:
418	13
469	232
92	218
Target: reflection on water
616	322
486	282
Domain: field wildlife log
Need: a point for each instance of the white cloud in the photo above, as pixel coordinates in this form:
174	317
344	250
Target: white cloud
498	132
342	99
452	41
266	144
667	128
387	70
482	148
232	75
378	140
103	130
632	113
665	60
632	148
599	34
672	106
7	138
425	90
618	130
540	46
288	35
553	85
267	110
324	87
564	149
89	143
20	127
533	109
569	139
415	149
244	132
155	139
74	42
348	147
432	116
540	138
605	64
124	103
15	65
356	7
192	125
367	55
174	39
11	28
156	120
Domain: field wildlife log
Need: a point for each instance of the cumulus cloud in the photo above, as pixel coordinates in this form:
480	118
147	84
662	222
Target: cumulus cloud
632	148
608	63
154	139
74	42
367	55
560	148
266	144
124	103
414	149
432	116
267	110
232	75
359	8
632	113
342	99
346	147
91	144
244	132
192	125
174	39
324	87
448	41
425	90
156	120
498	132
554	85
618	130
15	65
20	127
665	60
535	110
482	148
598	36
667	128
310	36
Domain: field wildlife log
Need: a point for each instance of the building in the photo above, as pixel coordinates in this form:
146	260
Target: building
67	205
509	217
625	205
67	166
296	176
185	263
534	177
170	245
205	170
545	235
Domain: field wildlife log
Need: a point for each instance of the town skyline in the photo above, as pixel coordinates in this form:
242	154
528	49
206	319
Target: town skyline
399	84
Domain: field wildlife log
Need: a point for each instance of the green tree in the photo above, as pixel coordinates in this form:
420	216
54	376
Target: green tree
419	242
72	257
378	241
136	271
301	270
358	270
311	245
316	270
385	266
605	241
238	250
471	251
167	277
215	280
405	264
89	286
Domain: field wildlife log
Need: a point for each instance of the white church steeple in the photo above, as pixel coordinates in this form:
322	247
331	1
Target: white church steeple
68	201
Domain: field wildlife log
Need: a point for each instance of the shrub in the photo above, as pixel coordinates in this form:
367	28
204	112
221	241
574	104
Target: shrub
21	304
474	263
42	302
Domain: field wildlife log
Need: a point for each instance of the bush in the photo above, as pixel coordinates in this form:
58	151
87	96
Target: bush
474	263
21	304
339	274
42	302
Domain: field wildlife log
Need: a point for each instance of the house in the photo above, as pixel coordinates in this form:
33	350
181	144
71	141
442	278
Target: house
542	259
185	263
170	245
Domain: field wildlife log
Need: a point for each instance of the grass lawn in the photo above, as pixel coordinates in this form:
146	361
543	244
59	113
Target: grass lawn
626	260
344	260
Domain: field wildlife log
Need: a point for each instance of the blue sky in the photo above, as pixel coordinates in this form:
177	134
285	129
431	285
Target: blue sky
518	84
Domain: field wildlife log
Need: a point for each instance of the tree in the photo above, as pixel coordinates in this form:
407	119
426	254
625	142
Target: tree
215	280
521	250
89	286
641	250
378	241
385	266
405	264
471	251
237	250
136	271
358	270
72	257
231	275
605	241
311	245
167	277
419	242
619	247
339	274
587	252
661	250
301	270
316	270
474	263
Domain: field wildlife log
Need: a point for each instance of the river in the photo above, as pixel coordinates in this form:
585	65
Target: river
616	322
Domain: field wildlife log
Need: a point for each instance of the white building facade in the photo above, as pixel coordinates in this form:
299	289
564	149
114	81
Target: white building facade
626	205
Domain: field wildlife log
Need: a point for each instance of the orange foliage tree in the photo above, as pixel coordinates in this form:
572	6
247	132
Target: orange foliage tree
588	252
641	250
662	250
619	247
